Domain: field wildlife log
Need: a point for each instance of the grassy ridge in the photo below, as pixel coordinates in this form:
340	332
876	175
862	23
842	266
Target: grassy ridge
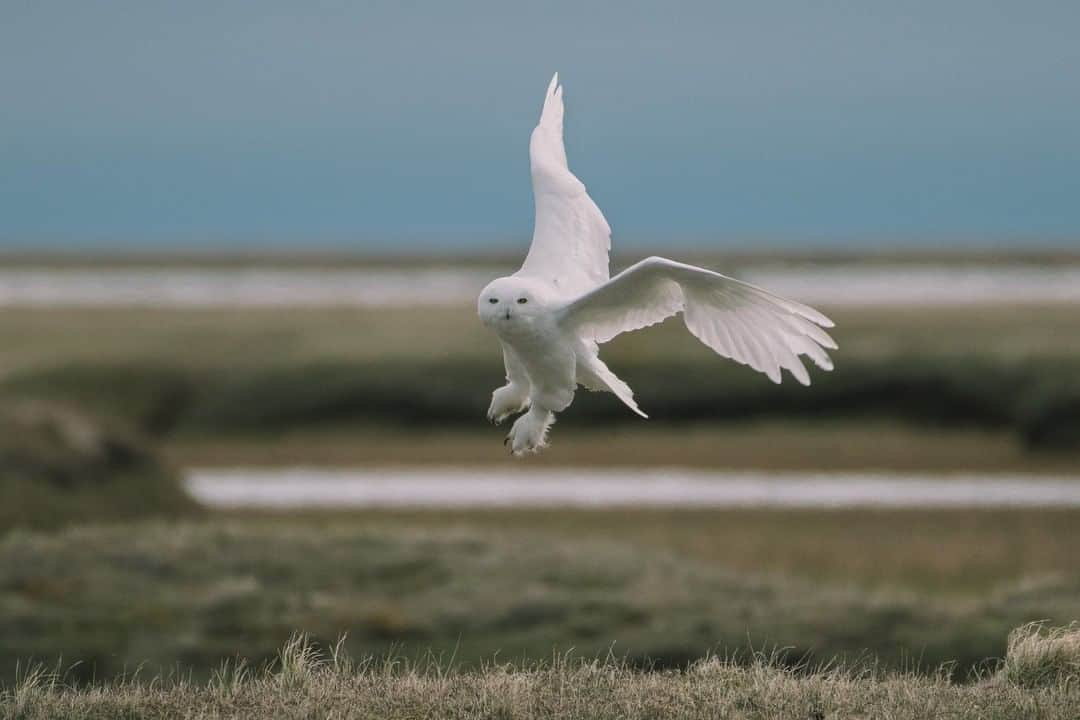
59	467
38	337
1038	400
175	372
196	594
1036	681
782	445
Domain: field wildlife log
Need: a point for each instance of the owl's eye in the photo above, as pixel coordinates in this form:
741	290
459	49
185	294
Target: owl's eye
493	300
522	301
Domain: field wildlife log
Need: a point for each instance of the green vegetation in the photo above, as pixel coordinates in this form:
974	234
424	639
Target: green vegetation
775	445
153	595
1038	401
302	682
90	586
183	375
952	556
58	467
247	337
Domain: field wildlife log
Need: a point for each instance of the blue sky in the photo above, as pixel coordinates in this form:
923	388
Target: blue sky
405	125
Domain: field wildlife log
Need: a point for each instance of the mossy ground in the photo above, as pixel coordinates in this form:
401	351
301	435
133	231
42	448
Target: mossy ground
159	595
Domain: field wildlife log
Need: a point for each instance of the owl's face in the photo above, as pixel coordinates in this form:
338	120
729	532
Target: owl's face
509	304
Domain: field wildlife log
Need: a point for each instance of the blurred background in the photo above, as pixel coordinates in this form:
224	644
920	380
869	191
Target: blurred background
242	385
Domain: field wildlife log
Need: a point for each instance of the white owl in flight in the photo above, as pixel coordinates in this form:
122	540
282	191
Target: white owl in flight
553	313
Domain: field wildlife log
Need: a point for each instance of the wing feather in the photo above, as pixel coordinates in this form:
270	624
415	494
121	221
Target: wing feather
571	238
748	324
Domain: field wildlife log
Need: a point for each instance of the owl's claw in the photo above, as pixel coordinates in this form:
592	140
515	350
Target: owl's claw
529	432
507	401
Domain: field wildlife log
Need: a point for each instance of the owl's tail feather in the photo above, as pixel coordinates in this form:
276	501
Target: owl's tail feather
595	375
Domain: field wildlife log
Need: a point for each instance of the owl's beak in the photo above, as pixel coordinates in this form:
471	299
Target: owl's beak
507	313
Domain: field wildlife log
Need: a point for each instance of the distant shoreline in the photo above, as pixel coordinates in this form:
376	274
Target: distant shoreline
338	259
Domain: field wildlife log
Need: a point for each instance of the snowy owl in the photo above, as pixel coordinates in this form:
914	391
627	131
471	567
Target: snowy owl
553	313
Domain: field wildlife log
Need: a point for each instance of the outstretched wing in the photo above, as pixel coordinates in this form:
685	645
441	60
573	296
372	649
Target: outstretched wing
571	238
737	320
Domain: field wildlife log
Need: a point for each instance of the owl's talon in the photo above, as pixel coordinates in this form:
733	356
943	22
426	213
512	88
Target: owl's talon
529	432
506	401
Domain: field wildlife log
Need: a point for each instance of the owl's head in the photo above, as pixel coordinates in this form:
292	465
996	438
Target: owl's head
510	303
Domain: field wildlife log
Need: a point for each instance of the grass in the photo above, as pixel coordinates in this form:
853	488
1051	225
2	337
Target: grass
889	594
1037	401
1039	655
244	337
945	388
58	467
304	682
953	555
778	444
194	594
233	369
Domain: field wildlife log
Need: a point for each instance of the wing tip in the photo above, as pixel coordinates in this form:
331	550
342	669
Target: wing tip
554	90
551	113
815	316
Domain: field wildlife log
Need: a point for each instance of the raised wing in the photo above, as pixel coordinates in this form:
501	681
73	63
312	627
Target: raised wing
737	320
571	238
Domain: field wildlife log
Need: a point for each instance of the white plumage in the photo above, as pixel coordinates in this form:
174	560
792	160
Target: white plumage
554	312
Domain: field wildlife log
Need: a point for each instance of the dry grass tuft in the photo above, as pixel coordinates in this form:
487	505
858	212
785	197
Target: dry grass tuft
1042	656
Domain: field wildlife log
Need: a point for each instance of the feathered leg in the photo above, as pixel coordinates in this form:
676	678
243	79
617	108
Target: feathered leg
529	433
513	397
